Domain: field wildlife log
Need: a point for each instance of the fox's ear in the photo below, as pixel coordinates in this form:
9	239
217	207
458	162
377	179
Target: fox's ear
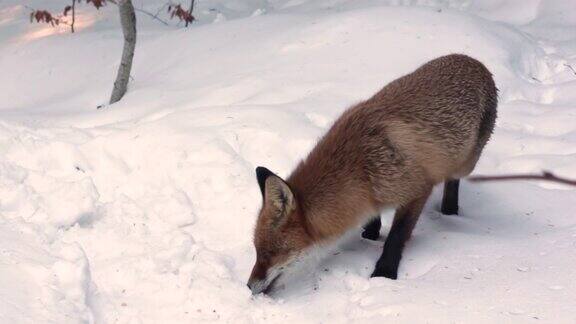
262	174
276	193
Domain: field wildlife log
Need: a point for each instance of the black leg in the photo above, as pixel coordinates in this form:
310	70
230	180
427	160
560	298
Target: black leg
372	229
404	222
389	261
450	198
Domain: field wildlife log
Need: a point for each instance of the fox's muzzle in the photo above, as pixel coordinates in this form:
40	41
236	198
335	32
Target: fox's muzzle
262	285
257	286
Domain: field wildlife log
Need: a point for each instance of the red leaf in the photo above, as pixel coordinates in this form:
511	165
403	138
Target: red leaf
97	3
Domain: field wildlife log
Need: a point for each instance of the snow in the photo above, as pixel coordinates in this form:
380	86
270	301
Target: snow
142	212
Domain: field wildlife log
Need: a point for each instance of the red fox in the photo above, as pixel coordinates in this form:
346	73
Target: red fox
424	128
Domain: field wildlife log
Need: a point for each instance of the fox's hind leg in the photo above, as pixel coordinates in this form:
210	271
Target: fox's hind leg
372	229
450	197
451	186
402	226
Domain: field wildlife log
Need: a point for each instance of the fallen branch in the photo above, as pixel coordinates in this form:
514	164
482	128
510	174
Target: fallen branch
570	67
546	176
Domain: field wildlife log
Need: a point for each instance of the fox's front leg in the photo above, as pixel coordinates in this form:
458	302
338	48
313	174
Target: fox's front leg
404	221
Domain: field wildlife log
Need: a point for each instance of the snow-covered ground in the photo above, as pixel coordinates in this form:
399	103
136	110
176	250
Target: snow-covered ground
142	212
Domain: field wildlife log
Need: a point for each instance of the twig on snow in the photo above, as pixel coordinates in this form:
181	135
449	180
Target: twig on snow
546	176
570	67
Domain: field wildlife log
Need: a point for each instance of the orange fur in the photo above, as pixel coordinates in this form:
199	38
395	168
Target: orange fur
388	151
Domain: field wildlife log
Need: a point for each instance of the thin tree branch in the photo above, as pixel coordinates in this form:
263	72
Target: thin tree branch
59	17
546	176
161	9
73	15
147	13
190	10
153	16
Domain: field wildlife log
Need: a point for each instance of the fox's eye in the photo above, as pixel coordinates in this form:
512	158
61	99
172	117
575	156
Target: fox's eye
264	256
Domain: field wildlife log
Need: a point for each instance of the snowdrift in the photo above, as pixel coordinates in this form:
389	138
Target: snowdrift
142	212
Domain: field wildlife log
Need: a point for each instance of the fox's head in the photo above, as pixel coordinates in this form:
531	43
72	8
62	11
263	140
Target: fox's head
281	237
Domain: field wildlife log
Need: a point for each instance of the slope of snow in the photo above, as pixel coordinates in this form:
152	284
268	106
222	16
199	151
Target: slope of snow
142	212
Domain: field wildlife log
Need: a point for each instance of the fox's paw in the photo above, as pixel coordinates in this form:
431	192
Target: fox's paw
371	235
386	272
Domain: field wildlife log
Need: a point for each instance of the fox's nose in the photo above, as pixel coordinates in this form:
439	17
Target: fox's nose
257	278
256	285
251	282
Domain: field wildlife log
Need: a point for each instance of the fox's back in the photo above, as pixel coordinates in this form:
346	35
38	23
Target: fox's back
420	129
447	97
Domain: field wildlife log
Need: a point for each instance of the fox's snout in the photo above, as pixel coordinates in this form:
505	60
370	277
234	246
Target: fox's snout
257	281
258	286
255	286
260	281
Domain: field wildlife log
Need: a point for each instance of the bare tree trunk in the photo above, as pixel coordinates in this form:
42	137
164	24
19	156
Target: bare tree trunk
128	21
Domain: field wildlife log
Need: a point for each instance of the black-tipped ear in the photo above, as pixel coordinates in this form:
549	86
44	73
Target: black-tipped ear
262	174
